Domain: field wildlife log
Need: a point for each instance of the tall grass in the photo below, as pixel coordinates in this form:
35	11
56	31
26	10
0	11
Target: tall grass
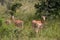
51	30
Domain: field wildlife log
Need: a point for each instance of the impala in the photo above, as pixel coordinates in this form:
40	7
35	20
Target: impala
38	24
18	23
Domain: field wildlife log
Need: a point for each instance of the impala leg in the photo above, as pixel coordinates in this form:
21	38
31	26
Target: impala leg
34	26
22	25
37	29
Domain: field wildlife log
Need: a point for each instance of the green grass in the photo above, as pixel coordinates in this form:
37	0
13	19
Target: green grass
51	31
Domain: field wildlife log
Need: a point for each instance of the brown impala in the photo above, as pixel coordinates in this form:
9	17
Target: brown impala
18	23
38	24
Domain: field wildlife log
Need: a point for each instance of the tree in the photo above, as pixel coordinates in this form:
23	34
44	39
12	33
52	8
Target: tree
49	7
14	7
11	8
2	2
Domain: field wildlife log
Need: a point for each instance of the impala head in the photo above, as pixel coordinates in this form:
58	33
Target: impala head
44	18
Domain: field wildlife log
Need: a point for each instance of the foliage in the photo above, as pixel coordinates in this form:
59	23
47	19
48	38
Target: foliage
14	7
49	7
0	22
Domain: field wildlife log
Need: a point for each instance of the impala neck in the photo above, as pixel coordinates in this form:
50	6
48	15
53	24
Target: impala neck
12	18
44	17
